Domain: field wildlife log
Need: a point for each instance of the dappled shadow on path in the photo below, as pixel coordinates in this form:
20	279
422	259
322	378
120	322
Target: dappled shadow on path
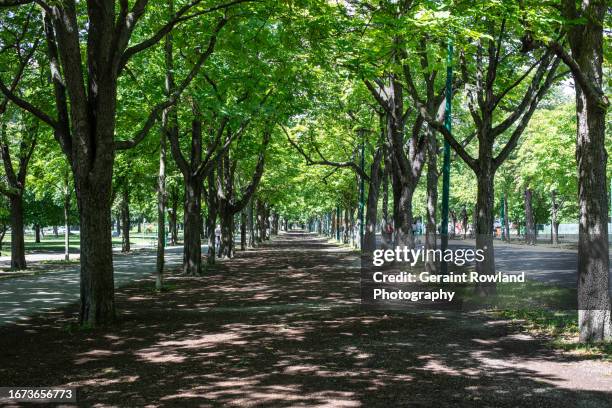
282	326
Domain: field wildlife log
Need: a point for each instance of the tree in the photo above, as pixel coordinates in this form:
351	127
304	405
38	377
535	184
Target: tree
24	136
85	88
227	202
491	91
582	25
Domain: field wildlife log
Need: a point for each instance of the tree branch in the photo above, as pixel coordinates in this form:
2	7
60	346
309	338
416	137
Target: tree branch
592	91
325	162
505	152
179	17
154	114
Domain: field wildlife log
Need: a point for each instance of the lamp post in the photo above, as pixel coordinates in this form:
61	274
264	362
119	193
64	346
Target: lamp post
446	163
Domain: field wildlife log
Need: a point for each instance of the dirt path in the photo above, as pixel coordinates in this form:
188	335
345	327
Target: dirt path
281	326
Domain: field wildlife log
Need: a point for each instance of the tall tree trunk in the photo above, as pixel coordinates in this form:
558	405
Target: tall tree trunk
274	224
250	225
506	217
261	221
432	198
55	232
211	219
404	218
192	242
125	218
484	228
18	261
97	280
333	224
385	185
66	225
3	229
593	251
554	218
37	233
243	229
529	218
161	208
226	250
593	259
267	222
346	228
173	219
369	236
586	41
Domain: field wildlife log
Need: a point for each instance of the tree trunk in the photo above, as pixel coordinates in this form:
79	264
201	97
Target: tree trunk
593	259
403	218
261	222
529	219
97	281
211	219
554	215
226	250
161	208
333	224
586	41
369	236
506	217
37	233
274	224
55	232
192	242
66	226
172	219
432	198
243	229
18	261
125	219
250	225
484	227
385	185
346	228
266	223
3	230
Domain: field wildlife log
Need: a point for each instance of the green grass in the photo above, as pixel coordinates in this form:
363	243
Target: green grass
528	295
50	243
561	328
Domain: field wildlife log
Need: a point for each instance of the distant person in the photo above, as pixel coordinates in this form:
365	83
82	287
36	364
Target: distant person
217	238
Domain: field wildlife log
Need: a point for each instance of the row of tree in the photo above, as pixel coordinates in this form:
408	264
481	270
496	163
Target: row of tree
358	89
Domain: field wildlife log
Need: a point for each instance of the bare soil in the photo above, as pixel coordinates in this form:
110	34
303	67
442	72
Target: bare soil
282	326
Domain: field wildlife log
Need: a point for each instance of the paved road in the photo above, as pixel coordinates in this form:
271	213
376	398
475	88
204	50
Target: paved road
21	297
545	264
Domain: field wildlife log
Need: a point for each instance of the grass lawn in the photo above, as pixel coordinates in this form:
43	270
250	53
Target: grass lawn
50	243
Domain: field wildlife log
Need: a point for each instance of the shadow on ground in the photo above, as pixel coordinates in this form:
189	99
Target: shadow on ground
281	326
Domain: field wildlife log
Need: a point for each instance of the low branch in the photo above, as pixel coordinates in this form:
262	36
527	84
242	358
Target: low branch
325	162
592	91
507	149
157	110
179	17
448	136
12	3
